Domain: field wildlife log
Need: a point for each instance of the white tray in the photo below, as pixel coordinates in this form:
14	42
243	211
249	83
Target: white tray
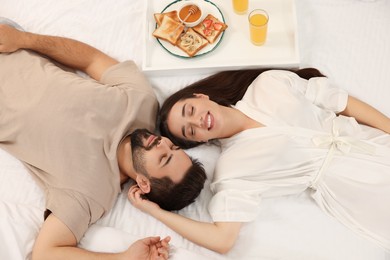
235	51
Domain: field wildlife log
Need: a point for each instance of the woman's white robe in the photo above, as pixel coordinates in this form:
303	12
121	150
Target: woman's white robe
304	145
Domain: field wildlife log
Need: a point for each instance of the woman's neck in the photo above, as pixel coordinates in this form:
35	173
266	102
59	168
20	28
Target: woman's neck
236	122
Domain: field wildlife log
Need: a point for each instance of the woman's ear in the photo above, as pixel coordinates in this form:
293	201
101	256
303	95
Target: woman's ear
200	95
143	183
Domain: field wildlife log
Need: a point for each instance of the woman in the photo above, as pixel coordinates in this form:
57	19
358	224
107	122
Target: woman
281	132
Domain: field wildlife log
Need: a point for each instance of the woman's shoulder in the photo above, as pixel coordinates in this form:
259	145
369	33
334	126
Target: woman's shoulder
273	77
278	74
271	80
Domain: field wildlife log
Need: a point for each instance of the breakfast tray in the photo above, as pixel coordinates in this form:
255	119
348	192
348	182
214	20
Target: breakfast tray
234	51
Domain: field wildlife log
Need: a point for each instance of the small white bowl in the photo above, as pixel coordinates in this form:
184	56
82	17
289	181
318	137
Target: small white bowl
193	19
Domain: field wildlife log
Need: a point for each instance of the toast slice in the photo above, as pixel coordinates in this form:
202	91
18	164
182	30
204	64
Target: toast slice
159	16
169	30
210	28
191	42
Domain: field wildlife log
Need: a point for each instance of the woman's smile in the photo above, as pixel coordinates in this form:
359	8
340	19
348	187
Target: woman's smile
209	121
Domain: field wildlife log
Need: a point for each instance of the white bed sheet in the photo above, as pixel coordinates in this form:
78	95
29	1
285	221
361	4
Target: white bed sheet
346	39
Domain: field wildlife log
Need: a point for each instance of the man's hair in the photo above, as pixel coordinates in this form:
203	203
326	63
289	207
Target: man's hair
175	196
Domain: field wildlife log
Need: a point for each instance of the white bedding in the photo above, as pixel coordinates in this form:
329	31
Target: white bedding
348	40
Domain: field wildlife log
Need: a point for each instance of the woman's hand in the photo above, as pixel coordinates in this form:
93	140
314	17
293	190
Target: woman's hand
11	39
135	197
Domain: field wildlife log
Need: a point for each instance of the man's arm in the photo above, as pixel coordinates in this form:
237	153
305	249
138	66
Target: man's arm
71	53
56	241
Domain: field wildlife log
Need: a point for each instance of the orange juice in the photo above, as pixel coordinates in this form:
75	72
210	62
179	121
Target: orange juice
240	6
258	23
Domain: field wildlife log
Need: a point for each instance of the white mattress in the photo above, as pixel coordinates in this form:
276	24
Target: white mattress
348	40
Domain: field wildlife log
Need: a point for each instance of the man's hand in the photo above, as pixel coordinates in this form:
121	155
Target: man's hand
56	241
135	197
11	39
150	248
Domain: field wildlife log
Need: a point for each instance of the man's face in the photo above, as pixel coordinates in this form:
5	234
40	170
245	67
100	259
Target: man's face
156	156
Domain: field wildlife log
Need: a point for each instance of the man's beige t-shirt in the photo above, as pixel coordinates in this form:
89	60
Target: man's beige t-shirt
66	129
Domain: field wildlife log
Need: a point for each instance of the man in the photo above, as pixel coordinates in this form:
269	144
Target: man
157	163
74	135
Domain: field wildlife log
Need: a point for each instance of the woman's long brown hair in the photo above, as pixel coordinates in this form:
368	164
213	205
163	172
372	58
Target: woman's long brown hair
225	88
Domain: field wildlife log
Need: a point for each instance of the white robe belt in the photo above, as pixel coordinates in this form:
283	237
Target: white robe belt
341	139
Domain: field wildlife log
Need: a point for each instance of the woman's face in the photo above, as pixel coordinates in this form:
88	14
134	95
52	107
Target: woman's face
196	119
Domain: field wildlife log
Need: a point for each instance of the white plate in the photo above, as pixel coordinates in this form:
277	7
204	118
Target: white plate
207	8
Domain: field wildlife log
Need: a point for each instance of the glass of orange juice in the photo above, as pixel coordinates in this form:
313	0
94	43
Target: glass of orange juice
258	23
240	6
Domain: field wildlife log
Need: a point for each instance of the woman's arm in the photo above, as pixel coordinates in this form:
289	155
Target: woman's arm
366	114
219	236
326	96
72	53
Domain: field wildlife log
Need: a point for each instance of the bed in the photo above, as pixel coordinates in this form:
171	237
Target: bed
347	40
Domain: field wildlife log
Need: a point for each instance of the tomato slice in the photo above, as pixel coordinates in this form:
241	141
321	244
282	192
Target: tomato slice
207	32
217	26
207	23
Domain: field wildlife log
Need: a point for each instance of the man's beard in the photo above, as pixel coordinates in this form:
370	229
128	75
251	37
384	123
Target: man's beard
138	149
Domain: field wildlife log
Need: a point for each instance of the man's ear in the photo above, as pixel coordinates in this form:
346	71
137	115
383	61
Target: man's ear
143	183
200	95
